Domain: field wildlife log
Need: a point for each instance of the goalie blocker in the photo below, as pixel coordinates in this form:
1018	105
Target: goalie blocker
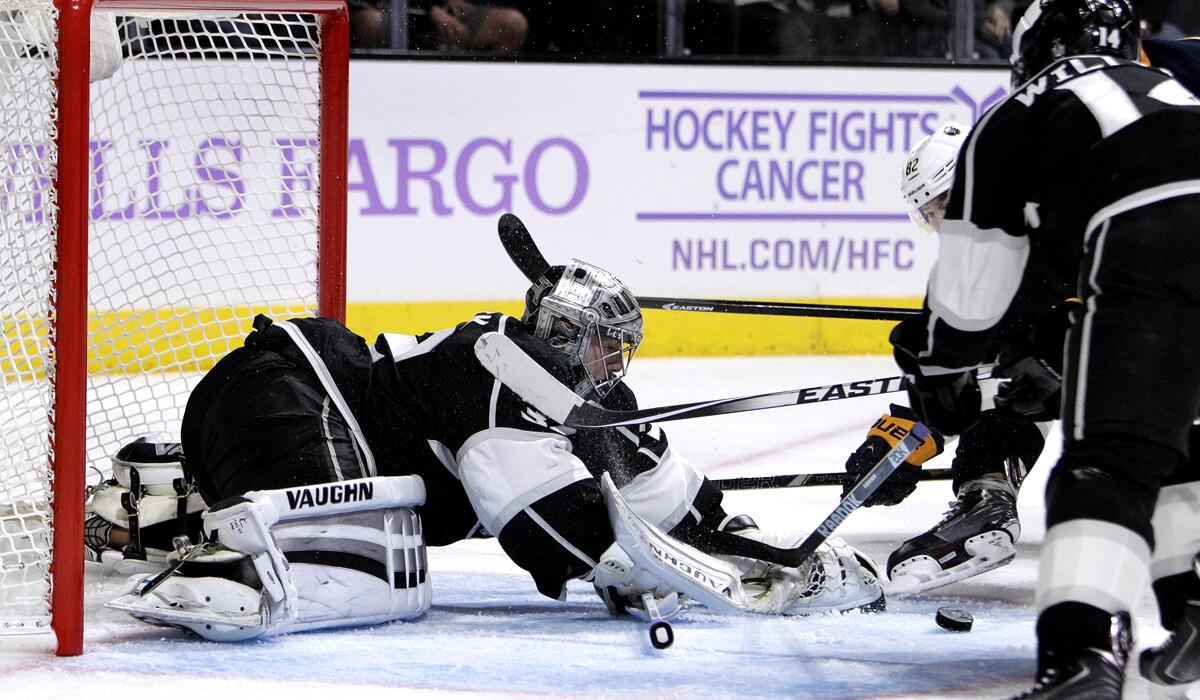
328	555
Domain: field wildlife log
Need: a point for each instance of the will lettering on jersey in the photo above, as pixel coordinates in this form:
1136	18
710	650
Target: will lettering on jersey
331	494
1061	72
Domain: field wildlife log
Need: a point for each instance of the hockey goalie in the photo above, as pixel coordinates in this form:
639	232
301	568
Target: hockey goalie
328	464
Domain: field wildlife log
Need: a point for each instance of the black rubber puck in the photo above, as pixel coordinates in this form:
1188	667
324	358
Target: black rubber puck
954	619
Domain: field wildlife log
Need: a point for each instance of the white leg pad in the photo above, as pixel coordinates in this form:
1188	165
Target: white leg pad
330	555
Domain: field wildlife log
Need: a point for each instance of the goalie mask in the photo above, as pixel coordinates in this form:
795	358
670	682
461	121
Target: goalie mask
1052	29
591	317
929	173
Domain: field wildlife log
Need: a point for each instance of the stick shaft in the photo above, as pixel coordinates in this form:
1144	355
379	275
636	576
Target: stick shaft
783	481
731	544
734	306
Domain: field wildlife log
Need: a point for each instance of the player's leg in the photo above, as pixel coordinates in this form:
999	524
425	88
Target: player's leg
979	531
1175	664
260	421
1131	392
133	518
304	558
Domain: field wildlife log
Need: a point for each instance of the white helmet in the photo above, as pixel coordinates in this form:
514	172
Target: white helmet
929	170
587	309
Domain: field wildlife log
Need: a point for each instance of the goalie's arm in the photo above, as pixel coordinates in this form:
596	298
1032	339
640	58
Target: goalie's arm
543	505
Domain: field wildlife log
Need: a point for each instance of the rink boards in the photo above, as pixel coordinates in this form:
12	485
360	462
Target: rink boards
690	181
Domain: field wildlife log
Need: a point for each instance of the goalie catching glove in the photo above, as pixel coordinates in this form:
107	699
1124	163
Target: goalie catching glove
885	434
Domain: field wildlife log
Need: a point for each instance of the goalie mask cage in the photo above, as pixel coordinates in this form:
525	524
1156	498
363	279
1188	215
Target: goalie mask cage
196	179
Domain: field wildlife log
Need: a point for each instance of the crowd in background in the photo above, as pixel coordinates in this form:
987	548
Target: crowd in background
784	29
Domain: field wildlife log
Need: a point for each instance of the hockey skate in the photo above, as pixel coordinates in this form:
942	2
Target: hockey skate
1174	666
976	535
1091	674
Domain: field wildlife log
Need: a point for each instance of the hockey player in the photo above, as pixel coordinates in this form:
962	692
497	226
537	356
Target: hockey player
1094	159
1181	57
979	531
307	403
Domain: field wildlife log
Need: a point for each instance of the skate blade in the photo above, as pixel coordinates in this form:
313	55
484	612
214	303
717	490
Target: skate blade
990	550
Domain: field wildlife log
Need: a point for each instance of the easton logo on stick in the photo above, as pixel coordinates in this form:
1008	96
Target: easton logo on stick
671	306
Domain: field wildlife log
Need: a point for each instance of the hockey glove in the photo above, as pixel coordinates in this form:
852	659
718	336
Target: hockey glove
885	434
1034	387
1033	390
947	403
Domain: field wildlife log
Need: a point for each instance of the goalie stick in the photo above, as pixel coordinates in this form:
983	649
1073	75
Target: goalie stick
783	481
524	253
529	380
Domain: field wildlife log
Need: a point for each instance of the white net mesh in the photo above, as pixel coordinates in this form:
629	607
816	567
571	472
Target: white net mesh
204	153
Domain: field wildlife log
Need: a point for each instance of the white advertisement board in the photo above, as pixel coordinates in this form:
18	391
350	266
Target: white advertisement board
717	181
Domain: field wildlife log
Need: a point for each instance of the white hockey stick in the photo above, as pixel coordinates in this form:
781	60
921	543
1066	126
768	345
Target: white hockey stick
529	380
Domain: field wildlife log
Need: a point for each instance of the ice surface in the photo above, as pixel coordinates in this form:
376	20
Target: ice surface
489	633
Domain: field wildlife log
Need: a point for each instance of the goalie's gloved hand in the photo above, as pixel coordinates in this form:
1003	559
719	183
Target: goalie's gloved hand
885	434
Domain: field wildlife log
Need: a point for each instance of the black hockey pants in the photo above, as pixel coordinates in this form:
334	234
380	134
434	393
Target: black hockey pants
1131	392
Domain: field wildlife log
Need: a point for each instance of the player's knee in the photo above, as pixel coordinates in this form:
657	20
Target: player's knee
1114	478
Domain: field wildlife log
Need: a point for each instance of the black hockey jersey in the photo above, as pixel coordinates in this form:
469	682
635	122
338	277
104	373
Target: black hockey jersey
264	418
501	466
1087	139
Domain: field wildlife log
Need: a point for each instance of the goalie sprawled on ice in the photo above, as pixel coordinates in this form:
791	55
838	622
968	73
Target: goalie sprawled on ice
328	464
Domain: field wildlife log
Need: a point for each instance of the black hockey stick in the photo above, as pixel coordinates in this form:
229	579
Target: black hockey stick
524	253
540	389
521	249
736	545
783	481
767	308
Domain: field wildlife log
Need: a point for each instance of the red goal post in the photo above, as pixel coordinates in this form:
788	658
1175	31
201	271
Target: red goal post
77	189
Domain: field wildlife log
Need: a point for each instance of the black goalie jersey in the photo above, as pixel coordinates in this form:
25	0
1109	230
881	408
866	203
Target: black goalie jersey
262	418
502	468
1089	140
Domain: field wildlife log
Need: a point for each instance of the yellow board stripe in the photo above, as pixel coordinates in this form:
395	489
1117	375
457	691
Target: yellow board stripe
673	333
194	339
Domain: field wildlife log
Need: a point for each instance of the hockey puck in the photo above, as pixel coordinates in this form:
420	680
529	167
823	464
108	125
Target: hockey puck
954	619
661	634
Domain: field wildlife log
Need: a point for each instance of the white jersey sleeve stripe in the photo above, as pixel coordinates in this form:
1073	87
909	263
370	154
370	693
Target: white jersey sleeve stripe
976	276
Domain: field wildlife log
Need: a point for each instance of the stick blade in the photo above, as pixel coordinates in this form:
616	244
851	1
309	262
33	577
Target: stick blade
521	249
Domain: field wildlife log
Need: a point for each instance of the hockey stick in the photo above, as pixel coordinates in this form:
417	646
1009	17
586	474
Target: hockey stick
539	388
736	545
521	249
784	481
778	308
524	253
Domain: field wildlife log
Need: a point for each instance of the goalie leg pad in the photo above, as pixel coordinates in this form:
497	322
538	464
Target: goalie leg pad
344	554
133	518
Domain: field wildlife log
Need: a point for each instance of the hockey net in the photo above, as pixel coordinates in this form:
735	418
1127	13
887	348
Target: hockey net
212	155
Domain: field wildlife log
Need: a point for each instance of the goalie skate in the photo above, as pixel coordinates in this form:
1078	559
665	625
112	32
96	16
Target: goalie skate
976	535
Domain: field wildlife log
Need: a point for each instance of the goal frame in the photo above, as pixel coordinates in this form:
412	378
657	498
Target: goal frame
71	302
